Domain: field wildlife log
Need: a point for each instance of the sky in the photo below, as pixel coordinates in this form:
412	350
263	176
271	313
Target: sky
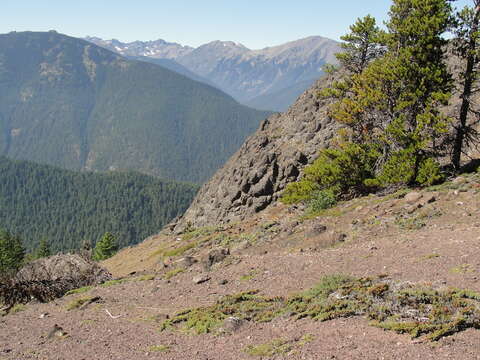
254	23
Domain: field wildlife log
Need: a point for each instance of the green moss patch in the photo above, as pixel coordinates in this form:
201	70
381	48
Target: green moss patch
414	309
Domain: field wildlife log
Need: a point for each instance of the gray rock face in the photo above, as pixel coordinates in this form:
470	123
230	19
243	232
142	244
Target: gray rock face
275	155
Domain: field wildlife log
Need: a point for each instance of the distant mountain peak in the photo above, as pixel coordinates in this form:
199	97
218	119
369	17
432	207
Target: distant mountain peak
269	78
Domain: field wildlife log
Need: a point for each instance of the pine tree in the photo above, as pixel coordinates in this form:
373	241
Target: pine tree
105	248
12	252
394	103
466	45
43	249
361	45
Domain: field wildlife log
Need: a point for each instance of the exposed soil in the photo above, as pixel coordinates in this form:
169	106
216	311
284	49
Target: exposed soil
434	239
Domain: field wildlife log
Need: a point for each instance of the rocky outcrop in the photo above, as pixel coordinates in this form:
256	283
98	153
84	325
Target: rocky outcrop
64	266
275	155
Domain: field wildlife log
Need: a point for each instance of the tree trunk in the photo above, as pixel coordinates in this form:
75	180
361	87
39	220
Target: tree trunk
469	78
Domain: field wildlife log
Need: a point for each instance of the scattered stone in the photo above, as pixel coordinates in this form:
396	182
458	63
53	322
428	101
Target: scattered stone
215	256
412	208
44	315
232	324
315	230
412	197
199	279
187	261
243	245
223	282
289	228
91	301
57	331
429	198
329	239
459	180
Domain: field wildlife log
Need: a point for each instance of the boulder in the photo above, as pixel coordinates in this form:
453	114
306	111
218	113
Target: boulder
214	256
199	279
64	266
412	197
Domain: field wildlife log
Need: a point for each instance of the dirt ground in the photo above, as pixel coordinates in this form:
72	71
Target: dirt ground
433	238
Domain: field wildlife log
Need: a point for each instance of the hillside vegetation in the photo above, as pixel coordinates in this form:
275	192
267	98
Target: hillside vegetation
69	103
66	207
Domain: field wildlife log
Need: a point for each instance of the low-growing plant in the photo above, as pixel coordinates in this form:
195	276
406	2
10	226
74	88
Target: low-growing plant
159	348
114	282
321	200
18	308
75	304
148	277
417	310
274	347
81	290
170	274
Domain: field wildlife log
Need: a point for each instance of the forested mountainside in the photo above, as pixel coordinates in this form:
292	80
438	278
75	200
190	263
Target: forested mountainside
67	102
271	78
66	207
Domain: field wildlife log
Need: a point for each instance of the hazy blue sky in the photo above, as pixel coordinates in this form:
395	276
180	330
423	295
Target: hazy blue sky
254	23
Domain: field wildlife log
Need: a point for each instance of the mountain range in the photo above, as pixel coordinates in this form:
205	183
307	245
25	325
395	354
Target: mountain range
67	102
271	78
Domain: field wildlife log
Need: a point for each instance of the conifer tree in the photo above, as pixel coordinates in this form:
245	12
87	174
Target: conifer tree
361	45
394	103
43	249
466	45
12	252
105	248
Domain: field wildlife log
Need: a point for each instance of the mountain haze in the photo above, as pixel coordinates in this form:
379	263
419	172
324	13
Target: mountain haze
67	102
253	77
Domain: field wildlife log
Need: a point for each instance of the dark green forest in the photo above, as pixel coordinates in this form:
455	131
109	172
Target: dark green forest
66	207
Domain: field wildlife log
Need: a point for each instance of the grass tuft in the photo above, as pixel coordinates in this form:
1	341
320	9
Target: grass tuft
79	290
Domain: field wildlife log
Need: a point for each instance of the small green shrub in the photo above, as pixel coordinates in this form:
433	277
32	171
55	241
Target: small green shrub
105	248
342	170
321	200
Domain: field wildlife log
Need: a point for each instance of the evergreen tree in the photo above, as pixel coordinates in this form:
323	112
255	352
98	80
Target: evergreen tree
394	103
43	249
12	252
105	248
361	45
466	45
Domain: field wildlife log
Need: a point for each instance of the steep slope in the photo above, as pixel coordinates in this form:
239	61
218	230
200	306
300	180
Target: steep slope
275	155
281	99
250	76
67	102
66	208
173	66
